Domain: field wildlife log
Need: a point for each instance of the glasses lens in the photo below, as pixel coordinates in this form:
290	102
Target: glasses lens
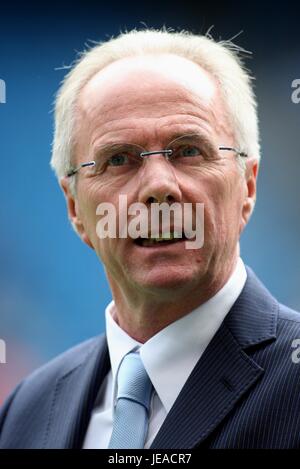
116	158
192	150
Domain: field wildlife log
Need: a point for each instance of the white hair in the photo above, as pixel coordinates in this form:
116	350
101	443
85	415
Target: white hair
220	59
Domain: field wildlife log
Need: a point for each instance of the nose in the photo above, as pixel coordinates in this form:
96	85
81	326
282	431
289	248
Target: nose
158	182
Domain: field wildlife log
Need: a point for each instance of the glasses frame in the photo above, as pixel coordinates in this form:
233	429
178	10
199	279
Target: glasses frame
144	154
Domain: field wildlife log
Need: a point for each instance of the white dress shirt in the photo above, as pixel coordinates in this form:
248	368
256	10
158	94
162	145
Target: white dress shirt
168	357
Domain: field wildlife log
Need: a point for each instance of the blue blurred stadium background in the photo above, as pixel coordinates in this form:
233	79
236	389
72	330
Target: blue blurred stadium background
52	288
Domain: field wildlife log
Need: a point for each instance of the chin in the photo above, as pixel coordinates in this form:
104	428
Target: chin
162	279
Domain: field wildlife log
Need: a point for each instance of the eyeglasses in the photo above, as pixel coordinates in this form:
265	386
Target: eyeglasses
191	150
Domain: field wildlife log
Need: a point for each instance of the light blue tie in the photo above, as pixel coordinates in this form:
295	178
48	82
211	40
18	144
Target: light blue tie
133	403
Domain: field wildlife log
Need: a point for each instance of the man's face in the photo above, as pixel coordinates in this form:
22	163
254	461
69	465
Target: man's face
146	101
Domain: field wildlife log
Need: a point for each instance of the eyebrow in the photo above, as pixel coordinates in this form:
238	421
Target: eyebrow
106	147
202	136
189	134
204	139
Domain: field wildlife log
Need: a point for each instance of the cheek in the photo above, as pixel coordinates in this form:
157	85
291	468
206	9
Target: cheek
87	212
228	207
222	198
104	249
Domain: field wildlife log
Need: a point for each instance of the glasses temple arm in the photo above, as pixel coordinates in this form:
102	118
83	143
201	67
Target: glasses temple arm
83	165
240	153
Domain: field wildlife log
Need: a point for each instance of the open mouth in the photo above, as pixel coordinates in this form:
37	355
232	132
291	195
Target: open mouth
165	238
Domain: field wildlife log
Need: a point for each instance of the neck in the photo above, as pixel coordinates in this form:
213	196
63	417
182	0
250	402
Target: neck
143	314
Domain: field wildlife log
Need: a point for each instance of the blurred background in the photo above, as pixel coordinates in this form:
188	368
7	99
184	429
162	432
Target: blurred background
53	290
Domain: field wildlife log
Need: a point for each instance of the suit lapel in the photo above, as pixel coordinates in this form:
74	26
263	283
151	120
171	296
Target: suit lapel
224	373
73	399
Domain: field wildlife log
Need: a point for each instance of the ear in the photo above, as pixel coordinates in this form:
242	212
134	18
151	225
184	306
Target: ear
250	175
73	211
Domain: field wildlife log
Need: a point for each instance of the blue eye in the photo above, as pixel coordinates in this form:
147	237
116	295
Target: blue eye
118	160
189	150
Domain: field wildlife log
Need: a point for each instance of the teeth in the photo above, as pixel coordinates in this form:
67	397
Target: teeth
164	237
167	236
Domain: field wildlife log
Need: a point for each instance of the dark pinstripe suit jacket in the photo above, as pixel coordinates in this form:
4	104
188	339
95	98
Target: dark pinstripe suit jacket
243	393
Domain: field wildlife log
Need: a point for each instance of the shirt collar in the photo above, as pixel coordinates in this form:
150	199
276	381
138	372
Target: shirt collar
168	360
119	342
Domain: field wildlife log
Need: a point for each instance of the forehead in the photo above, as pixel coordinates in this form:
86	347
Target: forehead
132	91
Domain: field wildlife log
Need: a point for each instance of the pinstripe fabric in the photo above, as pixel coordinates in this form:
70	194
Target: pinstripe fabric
53	405
243	393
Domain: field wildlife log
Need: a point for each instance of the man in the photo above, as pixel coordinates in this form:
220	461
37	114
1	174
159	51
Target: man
197	353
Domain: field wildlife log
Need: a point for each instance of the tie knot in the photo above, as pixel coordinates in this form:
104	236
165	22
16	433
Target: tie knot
133	380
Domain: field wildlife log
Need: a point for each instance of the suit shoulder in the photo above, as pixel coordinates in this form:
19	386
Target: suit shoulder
32	400
59	366
68	360
287	314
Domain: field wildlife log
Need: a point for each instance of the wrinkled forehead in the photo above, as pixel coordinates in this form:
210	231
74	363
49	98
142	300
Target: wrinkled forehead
146	82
